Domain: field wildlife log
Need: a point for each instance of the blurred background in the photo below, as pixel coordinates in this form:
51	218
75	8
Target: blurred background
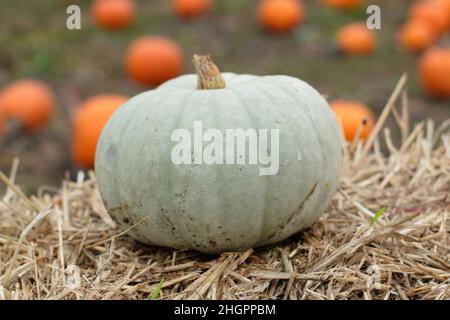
78	64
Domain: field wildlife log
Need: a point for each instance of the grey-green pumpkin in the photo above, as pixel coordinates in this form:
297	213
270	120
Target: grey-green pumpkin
219	207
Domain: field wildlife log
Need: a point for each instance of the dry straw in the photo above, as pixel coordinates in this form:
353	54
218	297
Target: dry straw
61	244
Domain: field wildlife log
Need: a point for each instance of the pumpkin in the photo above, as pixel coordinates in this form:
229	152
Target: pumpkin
353	116
356	39
153	60
434	70
342	4
187	9
88	122
444	4
113	14
30	102
201	203
281	15
431	13
416	35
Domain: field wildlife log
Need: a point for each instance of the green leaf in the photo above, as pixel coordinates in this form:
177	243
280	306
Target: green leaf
378	215
155	293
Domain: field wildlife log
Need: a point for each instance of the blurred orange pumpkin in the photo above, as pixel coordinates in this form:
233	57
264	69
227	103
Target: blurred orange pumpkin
430	12
351	115
187	9
434	70
30	102
113	14
416	35
281	15
153	60
342	4
356	39
445	5
89	120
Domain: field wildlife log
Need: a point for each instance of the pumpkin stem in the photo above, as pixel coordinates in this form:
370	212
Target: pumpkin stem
208	75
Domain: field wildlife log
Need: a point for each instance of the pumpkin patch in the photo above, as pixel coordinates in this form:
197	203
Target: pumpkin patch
309	161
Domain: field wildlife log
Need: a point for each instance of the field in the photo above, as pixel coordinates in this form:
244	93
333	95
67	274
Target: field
54	227
81	63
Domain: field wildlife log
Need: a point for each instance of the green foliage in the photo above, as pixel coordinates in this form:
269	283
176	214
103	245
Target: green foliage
378	215
155	293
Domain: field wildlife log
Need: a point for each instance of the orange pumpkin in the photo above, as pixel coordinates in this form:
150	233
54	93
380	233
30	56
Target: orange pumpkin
187	9
356	39
342	4
417	35
30	102
434	70
113	14
444	4
351	115
430	12
153	60
281	15
88	123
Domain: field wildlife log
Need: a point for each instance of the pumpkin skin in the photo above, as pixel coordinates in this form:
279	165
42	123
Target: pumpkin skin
153	60
88	122
432	13
351	114
356	39
188	9
216	208
416	35
281	15
434	70
444	5
342	4
30	102
113	14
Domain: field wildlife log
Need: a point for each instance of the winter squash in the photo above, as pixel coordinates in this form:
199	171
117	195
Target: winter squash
354	117
417	35
153	60
431	13
88	122
281	15
342	4
356	39
187	9
113	14
209	196
30	102
434	70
